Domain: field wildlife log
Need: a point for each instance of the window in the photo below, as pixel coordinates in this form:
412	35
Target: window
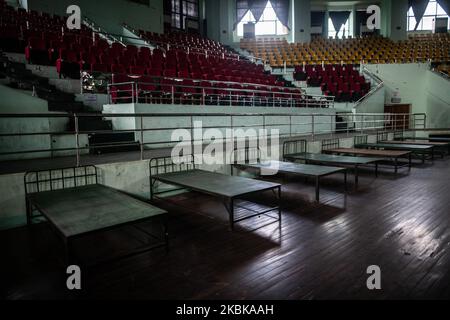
433	11
345	30
268	24
181	10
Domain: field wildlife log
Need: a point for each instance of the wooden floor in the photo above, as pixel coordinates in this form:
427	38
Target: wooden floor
321	251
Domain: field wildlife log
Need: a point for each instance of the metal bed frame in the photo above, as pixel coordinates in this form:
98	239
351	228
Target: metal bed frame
300	146
248	161
73	177
384	136
162	165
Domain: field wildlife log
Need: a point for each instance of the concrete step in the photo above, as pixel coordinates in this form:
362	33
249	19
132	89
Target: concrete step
67	85
43	71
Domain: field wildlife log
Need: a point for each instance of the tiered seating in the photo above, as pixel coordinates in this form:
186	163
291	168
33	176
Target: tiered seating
341	81
36	33
191	43
147	89
372	49
444	68
182	67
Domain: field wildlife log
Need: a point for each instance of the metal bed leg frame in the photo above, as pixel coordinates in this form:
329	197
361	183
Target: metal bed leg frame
231	213
29	209
279	205
317	188
345	180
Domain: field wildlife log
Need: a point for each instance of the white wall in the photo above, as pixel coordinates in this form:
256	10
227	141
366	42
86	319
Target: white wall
301	119
374	103
408	79
417	85
437	97
110	15
16	101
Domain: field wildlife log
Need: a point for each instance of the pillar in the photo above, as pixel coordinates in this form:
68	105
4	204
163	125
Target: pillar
301	20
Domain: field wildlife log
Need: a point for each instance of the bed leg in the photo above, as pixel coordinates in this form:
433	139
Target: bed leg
166	231
29	212
279	205
317	189
231	212
345	180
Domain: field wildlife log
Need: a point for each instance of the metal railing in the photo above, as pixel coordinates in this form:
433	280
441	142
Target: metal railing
174	91
96	29
150	131
379	83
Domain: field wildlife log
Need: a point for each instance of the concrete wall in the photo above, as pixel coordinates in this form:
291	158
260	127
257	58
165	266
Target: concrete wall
394	22
374	103
300	20
426	91
437	98
17	101
251	116
407	79
221	18
110	15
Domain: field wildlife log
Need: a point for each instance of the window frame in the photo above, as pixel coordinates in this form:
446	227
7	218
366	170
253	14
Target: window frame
276	24
346	26
411	19
181	13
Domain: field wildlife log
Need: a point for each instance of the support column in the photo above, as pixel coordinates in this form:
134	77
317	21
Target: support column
353	22
226	17
394	19
325	25
301	20
202	16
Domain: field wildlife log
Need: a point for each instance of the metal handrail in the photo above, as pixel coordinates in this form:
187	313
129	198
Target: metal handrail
276	97
309	124
375	89
97	29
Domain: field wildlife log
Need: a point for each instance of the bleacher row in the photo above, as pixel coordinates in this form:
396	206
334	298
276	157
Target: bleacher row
177	59
343	82
34	32
370	49
147	89
190	43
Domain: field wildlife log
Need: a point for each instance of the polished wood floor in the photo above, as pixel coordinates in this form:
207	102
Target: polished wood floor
321	250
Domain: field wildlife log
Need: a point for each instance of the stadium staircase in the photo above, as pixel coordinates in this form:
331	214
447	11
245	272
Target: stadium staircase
18	76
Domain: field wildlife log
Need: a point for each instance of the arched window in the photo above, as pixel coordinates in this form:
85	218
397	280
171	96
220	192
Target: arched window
268	24
433	11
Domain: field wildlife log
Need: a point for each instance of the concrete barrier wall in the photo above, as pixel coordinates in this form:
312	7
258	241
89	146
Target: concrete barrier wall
289	122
